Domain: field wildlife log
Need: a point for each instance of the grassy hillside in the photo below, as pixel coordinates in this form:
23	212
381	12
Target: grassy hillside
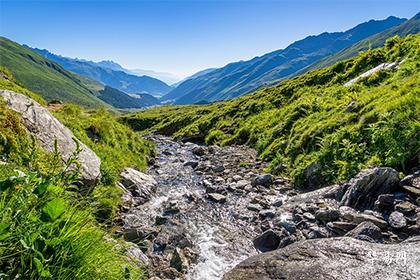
48	230
303	123
45	77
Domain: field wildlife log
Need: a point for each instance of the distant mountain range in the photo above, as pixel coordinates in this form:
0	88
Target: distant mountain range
238	78
53	82
109	73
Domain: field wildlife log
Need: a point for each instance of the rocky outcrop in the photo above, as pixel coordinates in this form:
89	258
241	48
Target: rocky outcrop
364	189
334	258
39	121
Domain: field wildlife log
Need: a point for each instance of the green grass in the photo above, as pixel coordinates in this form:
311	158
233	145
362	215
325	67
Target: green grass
45	77
304	120
48	230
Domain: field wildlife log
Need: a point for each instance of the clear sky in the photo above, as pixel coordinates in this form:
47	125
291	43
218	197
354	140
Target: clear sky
182	37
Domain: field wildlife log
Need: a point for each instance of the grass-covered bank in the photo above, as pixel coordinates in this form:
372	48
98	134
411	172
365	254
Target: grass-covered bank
48	230
304	121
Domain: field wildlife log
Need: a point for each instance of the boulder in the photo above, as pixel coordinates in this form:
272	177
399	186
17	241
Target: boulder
341	258
364	189
327	215
367	231
397	220
198	150
141	185
46	128
268	240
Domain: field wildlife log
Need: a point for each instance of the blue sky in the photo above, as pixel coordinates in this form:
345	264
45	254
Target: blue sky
182	37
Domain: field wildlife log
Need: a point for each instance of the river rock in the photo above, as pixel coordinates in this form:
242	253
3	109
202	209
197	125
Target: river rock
198	150
364	189
367	231
268	240
217	197
397	220
46	128
141	185
327	215
341	258
263	180
405	207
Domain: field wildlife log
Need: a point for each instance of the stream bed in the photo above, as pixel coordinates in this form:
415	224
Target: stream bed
203	211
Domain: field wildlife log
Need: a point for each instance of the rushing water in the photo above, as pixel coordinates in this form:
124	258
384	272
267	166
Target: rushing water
222	233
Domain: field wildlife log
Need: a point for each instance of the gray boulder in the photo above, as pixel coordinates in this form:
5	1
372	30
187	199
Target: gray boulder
364	189
342	258
367	231
46	128
140	185
397	220
269	240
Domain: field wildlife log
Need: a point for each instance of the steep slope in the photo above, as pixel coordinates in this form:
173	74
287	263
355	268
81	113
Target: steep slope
238	78
45	77
313	127
122	100
105	73
411	26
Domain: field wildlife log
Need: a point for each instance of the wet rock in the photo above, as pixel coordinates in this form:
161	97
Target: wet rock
367	231
277	203
242	184
364	189
179	261
405	207
216	197
384	201
359	218
308	216
218	168
288	224
412	180
340	227
268	240
317	232
191	163
137	235
327	215
141	185
397	220
237	178
269	213
46	128
413	190
262	180
330	258
254	207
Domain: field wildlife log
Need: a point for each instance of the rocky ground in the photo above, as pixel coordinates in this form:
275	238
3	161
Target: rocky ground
202	210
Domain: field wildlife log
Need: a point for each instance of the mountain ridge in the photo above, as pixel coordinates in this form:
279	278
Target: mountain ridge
238	78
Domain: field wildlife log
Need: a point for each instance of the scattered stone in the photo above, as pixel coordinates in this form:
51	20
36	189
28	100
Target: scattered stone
327	215
365	188
405	207
218	168
359	218
269	213
198	150
179	261
308	216
263	180
193	164
277	203
341	226
397	220
254	207
415	191
217	197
